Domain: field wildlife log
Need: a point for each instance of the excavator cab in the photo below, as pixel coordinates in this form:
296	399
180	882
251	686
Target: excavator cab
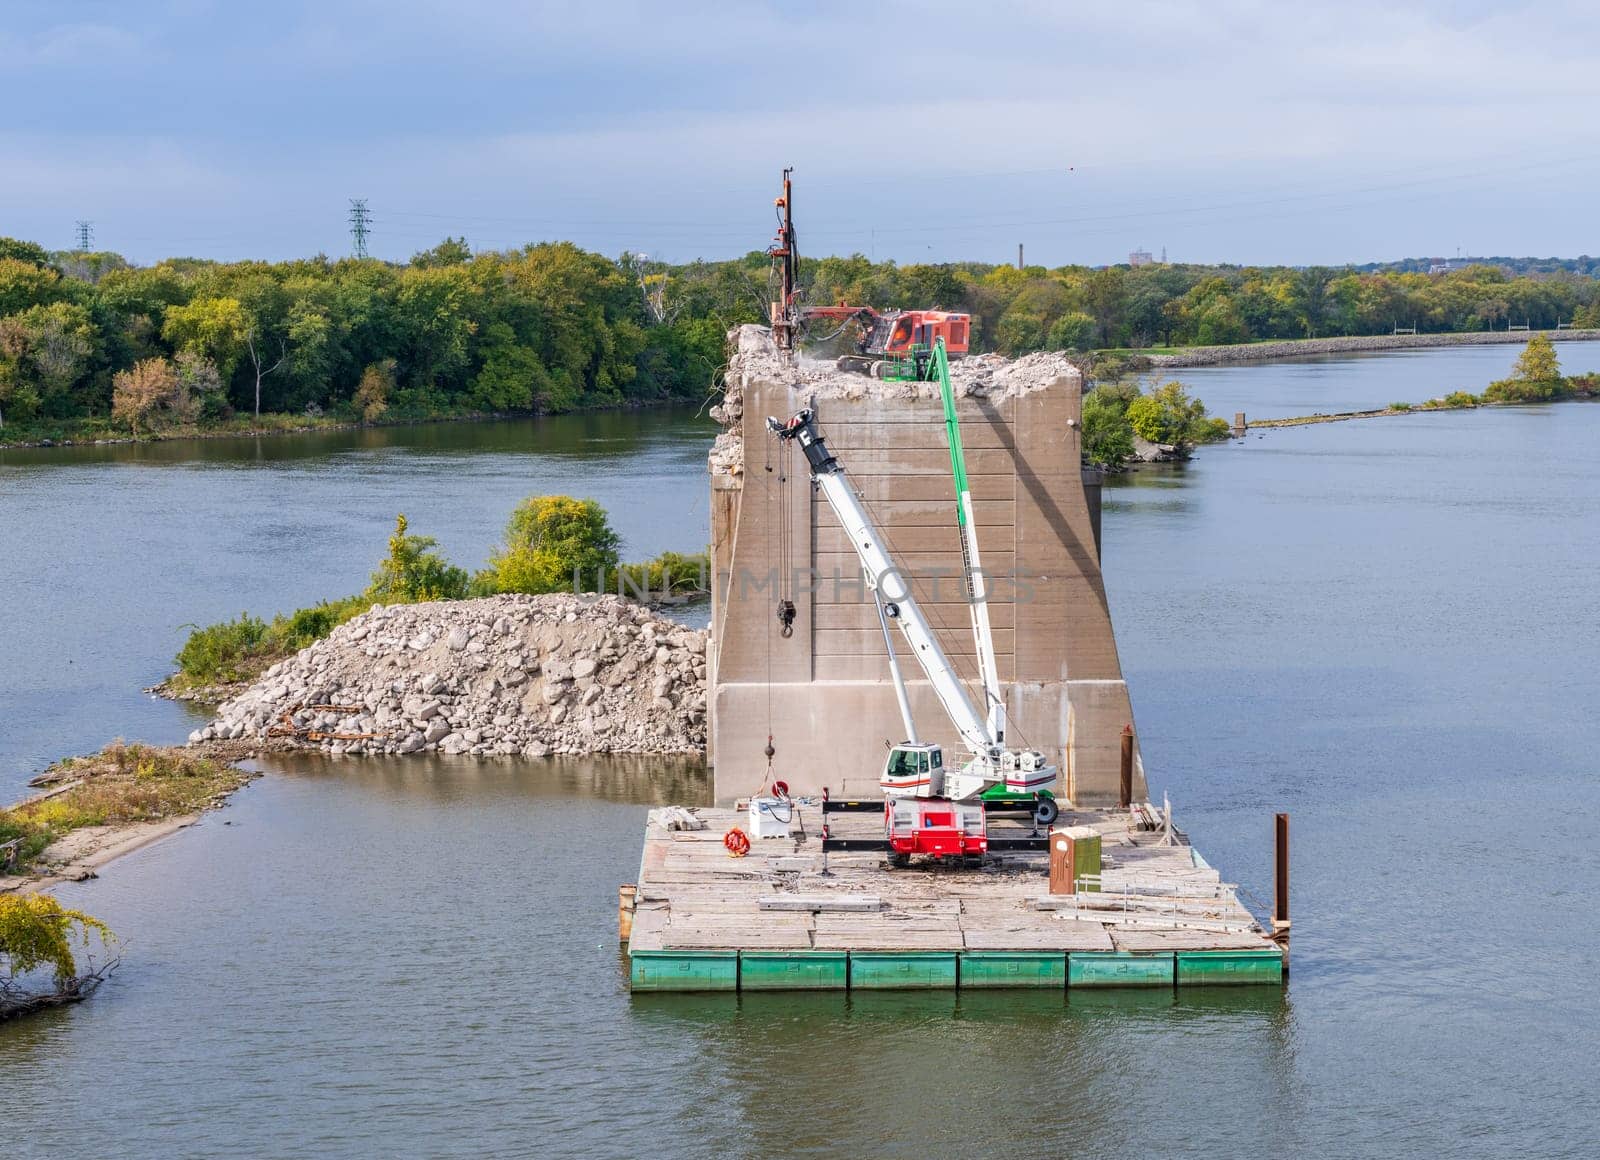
899	332
913	771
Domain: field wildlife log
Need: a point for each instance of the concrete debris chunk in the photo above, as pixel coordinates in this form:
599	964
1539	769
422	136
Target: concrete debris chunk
676	818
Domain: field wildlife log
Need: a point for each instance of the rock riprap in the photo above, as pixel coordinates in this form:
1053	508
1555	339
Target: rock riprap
534	675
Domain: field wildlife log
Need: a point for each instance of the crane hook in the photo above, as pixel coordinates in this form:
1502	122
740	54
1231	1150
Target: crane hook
786	613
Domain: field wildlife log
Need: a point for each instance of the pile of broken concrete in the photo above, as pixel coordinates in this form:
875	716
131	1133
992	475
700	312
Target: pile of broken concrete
756	359
530	675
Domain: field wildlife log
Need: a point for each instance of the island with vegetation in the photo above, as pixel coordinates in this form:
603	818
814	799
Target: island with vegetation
553	543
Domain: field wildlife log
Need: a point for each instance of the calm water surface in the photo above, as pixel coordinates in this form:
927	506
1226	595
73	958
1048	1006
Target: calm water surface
1386	628
1328	384
108	555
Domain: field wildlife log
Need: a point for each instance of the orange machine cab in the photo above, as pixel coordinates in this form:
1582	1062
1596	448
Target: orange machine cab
899	331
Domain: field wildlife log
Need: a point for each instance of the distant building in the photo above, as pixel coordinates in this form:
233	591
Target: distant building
1444	267
1140	258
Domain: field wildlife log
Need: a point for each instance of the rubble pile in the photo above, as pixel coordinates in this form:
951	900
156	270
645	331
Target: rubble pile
530	675
757	359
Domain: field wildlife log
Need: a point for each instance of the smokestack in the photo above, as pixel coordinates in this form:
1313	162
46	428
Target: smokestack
1019	255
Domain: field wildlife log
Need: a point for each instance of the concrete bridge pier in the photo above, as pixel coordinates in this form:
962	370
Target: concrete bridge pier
823	694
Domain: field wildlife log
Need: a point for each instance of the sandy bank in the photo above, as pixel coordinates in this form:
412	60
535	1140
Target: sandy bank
82	852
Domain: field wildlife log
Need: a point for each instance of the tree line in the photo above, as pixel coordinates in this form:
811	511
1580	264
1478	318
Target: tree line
551	327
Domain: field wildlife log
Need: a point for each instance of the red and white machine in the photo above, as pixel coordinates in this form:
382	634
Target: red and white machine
929	809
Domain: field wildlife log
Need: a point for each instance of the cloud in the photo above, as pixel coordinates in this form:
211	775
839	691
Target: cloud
928	127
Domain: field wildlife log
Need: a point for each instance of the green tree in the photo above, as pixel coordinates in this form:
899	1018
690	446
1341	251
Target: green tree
434	311
1538	363
1108	299
552	541
1018	333
414	572
1074	330
1168	416
15	248
1535	378
450	252
1311	298
37	932
1107	433
512	376
213	328
45	351
24	284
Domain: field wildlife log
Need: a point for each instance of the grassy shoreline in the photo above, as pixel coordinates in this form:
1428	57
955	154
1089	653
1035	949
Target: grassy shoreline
102	432
94	808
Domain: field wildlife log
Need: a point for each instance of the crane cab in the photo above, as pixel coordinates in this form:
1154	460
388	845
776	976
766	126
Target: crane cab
913	770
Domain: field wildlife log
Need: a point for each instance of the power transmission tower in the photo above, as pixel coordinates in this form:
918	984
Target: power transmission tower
360	225
85	237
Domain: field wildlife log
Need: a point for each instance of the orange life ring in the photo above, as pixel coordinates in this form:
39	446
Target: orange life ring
737	842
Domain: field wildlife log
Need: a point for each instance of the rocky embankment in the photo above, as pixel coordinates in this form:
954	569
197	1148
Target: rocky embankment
1204	356
533	675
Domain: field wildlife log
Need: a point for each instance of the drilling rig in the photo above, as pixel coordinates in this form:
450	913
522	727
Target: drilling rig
887	340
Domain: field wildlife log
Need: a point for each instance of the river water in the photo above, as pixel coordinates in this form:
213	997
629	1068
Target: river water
1386	628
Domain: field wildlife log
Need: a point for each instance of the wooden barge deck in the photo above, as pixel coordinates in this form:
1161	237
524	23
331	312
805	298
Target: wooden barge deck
788	916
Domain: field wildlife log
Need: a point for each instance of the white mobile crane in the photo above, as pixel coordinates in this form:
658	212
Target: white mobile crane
928	808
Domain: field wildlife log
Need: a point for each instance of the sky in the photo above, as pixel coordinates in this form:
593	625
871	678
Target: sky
1319	132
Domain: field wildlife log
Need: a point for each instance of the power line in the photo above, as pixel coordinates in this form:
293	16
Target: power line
360	225
85	234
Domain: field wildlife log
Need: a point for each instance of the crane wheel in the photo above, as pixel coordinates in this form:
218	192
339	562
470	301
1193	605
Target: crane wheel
737	842
1046	811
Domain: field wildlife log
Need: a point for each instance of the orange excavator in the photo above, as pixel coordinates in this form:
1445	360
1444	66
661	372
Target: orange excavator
888	339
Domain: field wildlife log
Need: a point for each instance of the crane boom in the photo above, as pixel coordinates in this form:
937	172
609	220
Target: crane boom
977	590
887	580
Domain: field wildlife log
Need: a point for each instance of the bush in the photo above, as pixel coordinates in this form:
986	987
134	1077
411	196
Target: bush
1460	399
1515	390
549	540
413	572
669	574
239	650
139	393
312	624
1399	406
1169	416
1535	379
37	931
227	652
